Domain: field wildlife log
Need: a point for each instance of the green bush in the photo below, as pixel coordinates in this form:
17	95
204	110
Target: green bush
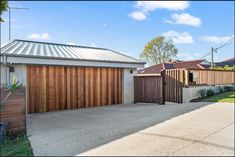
221	89
202	92
228	88
210	92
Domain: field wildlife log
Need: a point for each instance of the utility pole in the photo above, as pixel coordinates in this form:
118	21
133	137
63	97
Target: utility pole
212	58
9	8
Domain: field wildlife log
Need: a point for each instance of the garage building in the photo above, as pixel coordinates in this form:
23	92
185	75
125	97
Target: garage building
62	77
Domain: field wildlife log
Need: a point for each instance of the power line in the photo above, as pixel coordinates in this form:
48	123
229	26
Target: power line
230	41
206	55
227	43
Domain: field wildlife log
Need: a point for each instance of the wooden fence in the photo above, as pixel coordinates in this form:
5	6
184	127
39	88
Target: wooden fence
210	77
169	86
148	89
174	83
52	88
14	111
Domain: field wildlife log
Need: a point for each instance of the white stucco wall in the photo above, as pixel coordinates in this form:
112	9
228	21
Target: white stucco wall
128	85
193	92
19	73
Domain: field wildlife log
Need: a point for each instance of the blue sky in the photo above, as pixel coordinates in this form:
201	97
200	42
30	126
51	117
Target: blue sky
127	26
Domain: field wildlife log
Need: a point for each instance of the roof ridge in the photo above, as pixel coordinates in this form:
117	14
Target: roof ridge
189	61
42	42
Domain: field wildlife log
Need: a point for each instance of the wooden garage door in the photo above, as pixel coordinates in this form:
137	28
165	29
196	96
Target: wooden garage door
52	88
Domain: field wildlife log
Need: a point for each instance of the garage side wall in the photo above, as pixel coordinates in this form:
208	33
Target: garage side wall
128	85
20	73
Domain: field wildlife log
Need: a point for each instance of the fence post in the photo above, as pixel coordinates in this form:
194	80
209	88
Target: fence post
163	74
186	78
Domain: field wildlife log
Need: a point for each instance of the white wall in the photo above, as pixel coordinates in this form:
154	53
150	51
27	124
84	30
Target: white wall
193	92
19	73
128	85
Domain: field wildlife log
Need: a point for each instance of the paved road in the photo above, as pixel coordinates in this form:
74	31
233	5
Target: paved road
206	131
121	130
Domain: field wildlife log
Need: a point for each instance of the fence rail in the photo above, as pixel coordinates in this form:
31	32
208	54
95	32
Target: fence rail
210	77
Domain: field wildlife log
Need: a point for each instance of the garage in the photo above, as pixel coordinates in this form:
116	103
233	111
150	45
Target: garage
52	88
63	77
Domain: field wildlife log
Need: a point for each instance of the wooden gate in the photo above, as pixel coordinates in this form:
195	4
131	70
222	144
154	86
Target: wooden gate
148	89
174	82
51	88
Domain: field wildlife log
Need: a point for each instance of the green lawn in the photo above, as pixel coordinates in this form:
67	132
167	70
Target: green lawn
16	146
223	97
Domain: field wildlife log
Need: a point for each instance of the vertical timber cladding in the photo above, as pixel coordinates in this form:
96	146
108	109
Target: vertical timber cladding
148	89
174	85
52	88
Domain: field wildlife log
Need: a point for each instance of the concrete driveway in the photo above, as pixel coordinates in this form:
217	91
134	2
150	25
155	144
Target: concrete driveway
112	130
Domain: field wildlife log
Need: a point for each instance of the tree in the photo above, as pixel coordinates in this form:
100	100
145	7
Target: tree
3	7
158	50
226	67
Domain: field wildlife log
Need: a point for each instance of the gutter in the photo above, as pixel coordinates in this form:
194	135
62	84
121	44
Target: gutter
71	59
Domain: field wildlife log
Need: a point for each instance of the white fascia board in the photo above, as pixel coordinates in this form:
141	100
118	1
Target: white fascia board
46	61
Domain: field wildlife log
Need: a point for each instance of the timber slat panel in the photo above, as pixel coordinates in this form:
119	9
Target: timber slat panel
174	85
147	89
14	110
213	77
52	88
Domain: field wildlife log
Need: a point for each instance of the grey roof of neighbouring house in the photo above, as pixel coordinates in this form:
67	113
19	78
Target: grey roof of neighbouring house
25	48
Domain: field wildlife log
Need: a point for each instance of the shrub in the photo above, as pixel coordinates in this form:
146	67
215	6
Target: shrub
202	92
220	89
210	92
228	88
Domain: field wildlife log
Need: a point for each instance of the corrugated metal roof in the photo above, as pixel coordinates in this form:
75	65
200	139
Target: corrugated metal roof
63	51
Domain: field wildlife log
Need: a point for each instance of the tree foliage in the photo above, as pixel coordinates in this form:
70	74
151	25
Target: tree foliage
226	67
3	7
158	50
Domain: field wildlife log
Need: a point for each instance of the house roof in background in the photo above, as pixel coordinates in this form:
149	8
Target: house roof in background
188	64
195	64
230	62
151	70
26	48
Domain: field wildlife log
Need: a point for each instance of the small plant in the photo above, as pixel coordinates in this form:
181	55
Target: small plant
210	92
202	92
228	88
11	89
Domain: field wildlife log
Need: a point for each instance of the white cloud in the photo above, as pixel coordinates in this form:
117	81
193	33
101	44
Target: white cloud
185	19
137	15
189	56
179	38
71	43
147	6
216	39
43	36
